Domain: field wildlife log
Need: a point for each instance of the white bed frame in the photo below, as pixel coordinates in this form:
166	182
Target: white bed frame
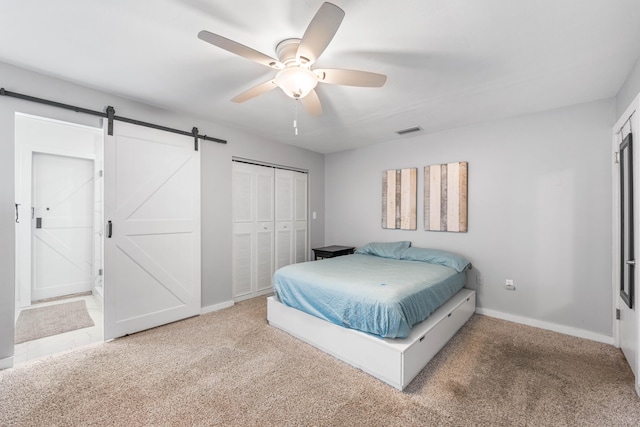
394	361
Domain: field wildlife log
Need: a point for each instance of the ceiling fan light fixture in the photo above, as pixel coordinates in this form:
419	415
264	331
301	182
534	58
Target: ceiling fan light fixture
296	82
295	59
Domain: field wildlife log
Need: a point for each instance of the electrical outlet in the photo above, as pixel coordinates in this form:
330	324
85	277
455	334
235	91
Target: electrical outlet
509	285
479	279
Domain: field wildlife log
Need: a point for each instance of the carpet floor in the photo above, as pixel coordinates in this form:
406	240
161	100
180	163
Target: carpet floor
40	322
231	368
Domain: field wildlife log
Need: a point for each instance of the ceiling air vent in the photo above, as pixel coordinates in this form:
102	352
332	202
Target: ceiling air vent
409	130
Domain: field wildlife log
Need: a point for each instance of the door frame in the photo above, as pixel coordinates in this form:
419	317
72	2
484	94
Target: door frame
24	150
630	119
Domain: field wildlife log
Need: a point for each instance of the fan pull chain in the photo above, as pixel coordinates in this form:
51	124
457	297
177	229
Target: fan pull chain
295	119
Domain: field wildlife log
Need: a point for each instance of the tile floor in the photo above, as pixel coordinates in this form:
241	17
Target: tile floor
36	349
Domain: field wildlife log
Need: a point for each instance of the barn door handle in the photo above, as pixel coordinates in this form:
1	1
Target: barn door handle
38	222
109	229
17	214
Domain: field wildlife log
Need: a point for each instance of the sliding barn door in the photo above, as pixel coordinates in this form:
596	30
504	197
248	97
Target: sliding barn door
152	226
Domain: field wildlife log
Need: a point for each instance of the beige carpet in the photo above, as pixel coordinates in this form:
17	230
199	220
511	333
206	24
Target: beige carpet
40	322
231	369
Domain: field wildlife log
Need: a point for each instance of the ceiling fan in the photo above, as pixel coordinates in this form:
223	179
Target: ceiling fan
295	75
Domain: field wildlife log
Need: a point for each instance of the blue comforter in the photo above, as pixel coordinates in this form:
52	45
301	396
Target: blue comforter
380	296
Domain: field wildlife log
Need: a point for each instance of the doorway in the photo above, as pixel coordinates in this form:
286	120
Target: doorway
626	237
58	236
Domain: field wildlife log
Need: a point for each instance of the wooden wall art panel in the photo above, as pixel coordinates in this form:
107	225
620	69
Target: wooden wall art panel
445	197
399	199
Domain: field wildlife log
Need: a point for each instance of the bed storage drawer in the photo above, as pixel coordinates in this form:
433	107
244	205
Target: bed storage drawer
445	325
394	361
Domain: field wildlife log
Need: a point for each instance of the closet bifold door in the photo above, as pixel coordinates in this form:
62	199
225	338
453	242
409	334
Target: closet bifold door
284	217
300	217
253	224
269	225
291	217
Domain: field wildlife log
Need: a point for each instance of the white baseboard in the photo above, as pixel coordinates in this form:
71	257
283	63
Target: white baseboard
6	363
567	330
216	307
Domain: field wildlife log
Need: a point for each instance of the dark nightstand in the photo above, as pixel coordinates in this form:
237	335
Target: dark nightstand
332	251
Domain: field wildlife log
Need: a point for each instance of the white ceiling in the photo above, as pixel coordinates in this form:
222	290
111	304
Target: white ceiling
449	63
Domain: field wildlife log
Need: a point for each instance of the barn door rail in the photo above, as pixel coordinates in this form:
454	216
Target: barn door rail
110	115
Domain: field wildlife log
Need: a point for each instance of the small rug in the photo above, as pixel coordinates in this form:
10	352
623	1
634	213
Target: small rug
35	323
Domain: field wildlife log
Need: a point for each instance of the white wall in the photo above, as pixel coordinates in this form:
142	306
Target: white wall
539	209
7	221
629	90
216	177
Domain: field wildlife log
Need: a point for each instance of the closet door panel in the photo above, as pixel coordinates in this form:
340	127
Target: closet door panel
284	217
253	257
301	245
242	196
244	214
300	224
300	183
284	195
242	262
270	225
284	248
264	194
264	227
264	257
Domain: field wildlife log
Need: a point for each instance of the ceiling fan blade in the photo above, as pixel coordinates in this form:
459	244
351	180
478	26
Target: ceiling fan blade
255	91
239	49
320	32
311	103
336	76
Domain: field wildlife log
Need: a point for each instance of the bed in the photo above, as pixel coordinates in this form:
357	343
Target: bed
387	309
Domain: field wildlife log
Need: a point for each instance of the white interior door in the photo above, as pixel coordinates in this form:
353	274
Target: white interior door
285	196
300	217
291	217
253	223
263	227
152	215
62	225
